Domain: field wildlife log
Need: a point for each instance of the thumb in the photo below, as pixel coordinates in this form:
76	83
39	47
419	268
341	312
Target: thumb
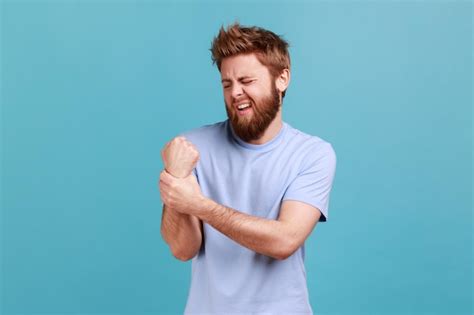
165	177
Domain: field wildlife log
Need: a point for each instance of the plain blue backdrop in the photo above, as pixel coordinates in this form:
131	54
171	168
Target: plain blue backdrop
91	91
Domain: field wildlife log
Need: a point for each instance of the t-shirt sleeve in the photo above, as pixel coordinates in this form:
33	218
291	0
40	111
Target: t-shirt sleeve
314	182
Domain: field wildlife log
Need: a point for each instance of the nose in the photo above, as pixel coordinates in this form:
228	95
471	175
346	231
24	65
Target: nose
236	91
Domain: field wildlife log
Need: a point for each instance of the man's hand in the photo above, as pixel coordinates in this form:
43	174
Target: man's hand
179	157
181	194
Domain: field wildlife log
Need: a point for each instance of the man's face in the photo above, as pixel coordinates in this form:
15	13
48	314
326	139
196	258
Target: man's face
247	82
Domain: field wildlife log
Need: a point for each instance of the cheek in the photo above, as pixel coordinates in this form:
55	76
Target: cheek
254	92
227	99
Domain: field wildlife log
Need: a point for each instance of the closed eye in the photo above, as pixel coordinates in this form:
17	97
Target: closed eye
244	82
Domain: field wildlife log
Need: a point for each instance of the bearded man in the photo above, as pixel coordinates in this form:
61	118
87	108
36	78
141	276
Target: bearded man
241	196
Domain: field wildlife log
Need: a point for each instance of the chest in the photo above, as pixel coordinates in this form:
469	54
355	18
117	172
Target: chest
252	183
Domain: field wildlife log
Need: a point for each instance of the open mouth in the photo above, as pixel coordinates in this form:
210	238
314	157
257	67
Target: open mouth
244	107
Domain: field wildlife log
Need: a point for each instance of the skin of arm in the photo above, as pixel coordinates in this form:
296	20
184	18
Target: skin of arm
278	239
182	232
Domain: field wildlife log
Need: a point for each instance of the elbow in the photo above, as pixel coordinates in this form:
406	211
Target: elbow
282	255
287	248
183	251
183	255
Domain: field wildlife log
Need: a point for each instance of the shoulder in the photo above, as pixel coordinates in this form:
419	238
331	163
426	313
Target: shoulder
307	141
312	147
203	131
206	136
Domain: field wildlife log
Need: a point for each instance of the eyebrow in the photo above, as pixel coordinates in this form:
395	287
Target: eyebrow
241	78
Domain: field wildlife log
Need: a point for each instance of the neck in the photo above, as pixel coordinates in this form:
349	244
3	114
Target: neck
272	130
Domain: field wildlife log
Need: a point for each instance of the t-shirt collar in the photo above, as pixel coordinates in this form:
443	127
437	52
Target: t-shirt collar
258	147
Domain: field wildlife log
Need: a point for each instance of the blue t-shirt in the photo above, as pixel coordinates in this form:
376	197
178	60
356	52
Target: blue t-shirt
228	278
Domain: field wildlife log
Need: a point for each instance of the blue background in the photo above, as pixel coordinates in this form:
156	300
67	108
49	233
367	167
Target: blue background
92	90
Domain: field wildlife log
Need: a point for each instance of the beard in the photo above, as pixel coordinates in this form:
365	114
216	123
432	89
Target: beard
252	126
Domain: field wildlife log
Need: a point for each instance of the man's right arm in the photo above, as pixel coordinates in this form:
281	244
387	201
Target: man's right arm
182	232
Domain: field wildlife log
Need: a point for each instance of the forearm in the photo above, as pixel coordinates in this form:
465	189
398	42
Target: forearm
268	237
182	232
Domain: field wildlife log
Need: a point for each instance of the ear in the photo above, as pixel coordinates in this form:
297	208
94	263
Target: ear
283	80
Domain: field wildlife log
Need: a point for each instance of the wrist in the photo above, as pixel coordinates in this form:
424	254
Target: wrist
205	206
177	173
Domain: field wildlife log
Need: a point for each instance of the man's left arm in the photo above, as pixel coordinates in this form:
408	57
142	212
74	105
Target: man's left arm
275	238
278	239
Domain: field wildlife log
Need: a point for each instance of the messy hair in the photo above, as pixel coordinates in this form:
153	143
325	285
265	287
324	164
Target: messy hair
270	49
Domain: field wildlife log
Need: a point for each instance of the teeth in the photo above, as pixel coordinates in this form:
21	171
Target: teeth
242	106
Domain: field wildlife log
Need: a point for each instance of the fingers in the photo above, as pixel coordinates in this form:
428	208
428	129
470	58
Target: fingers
163	196
187	145
179	140
163	186
164	177
167	144
165	148
180	156
167	179
183	140
167	196
193	150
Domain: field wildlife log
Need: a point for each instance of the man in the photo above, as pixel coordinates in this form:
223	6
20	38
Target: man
241	196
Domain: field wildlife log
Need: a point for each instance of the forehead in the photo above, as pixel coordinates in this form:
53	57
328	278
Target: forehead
242	65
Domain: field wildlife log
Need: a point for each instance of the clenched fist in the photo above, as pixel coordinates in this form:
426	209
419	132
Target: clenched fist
179	157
